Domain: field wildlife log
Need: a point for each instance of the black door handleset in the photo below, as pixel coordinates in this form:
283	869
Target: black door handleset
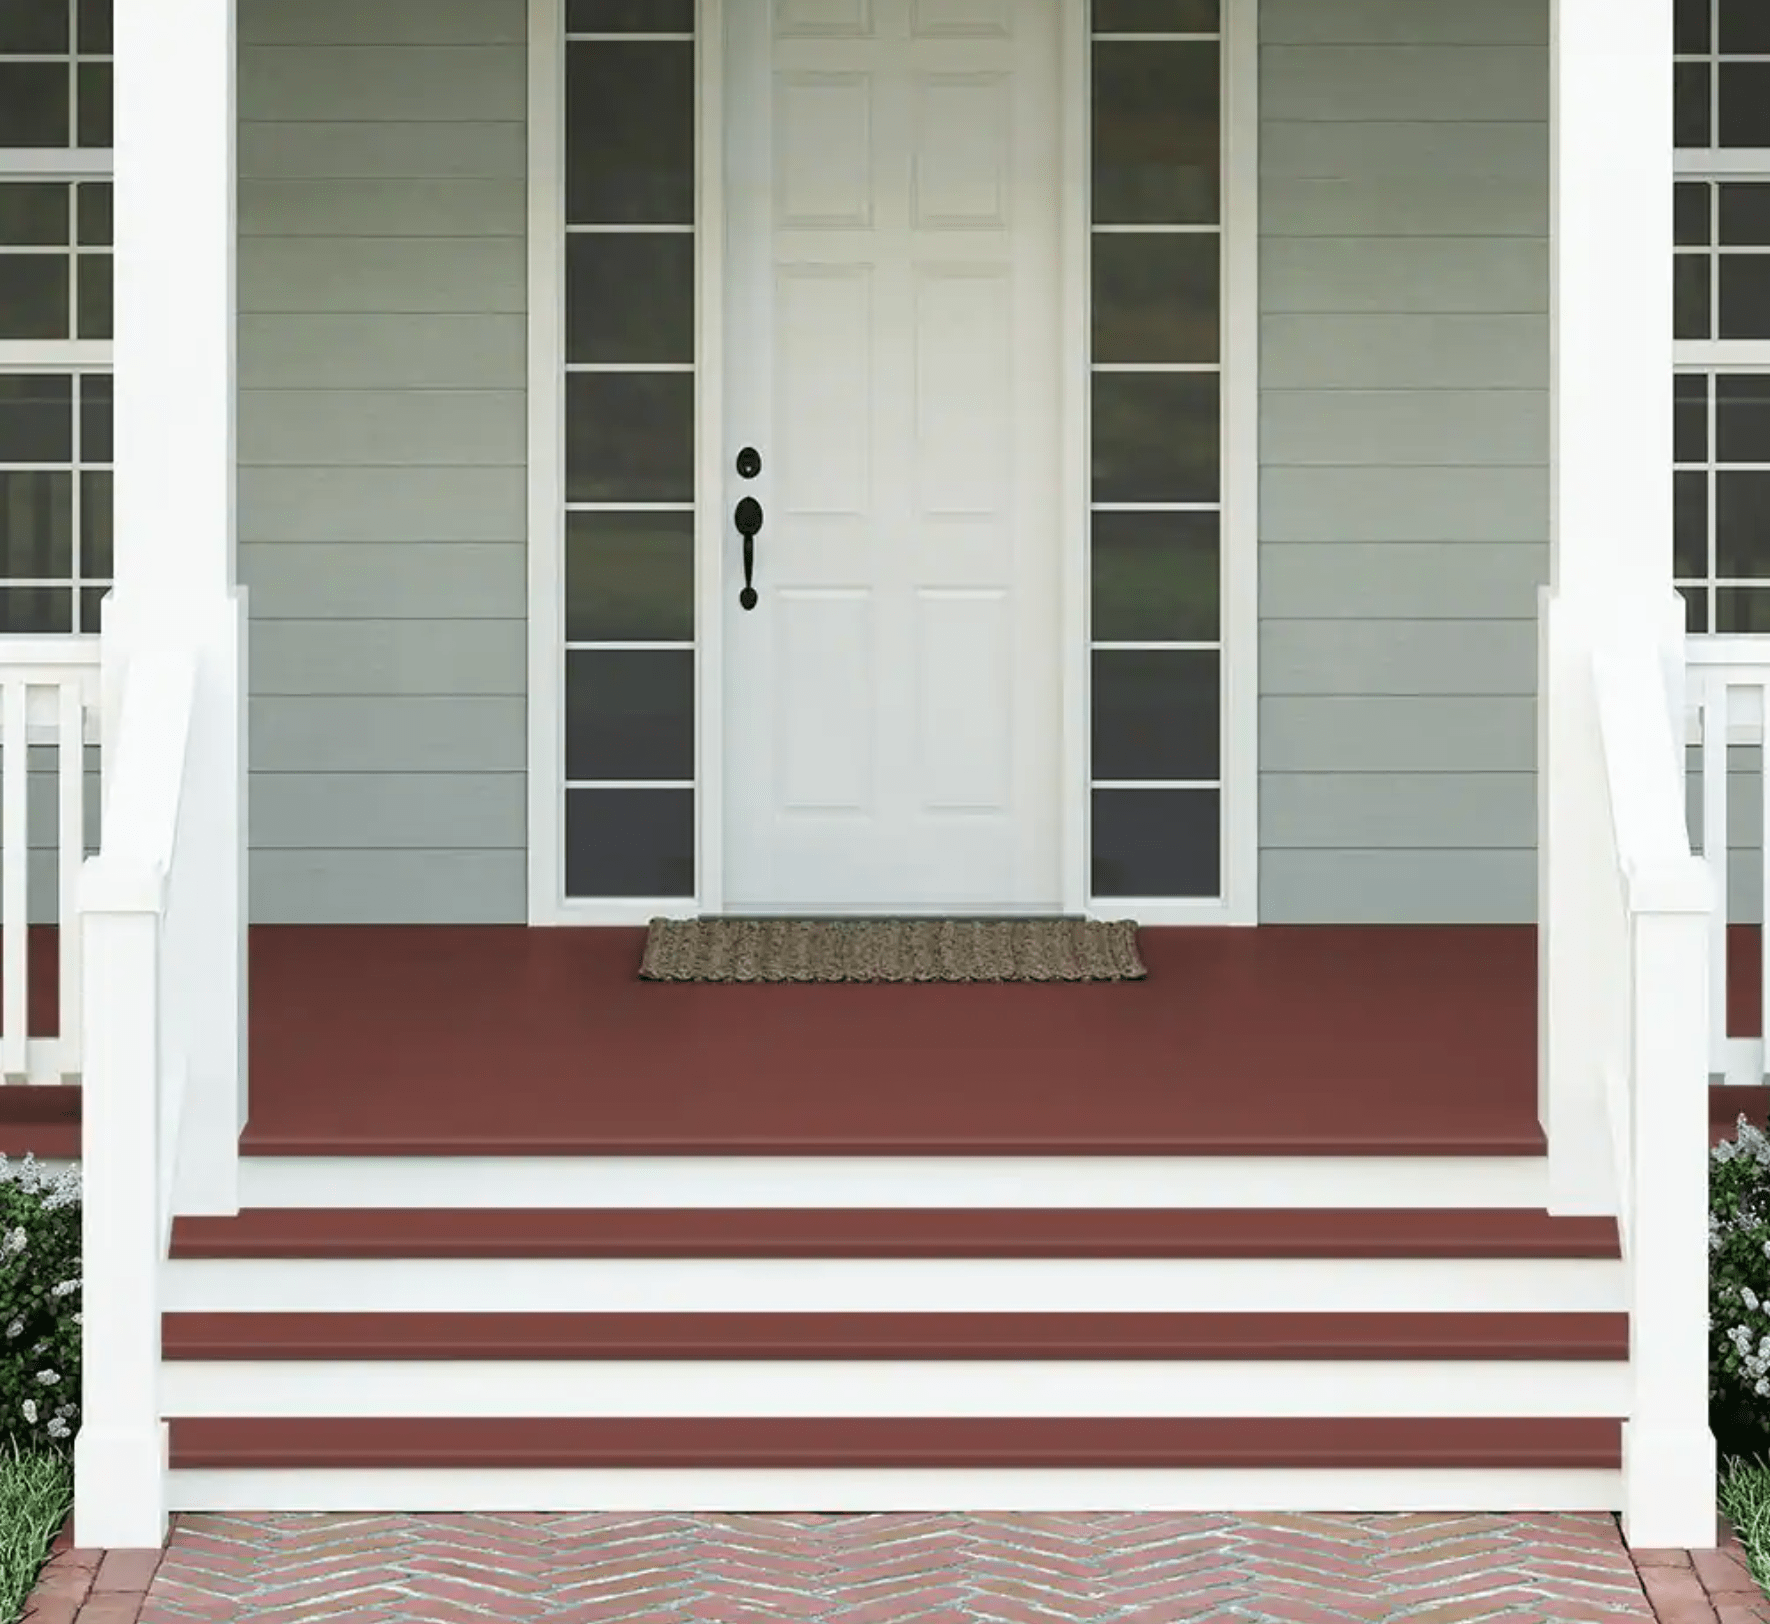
748	519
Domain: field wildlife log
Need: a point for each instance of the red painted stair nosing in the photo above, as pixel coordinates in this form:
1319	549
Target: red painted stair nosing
485	1443
987	1232
893	1336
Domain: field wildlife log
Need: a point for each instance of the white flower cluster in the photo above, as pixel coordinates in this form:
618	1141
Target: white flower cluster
33	1179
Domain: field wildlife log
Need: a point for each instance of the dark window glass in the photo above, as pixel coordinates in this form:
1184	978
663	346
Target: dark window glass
91	602
1690	214
1155	296
33	104
1742	525
629	713
36	525
1745	214
629	16
1745	296
1155	713
1690	104
95	27
95	215
1156	843
33	296
1745	28
1690	417
1156	130
93	277
1690	524
1156	578
1745	104
34	214
96	551
1742	609
630	134
95	104
629	842
1690	296
33	27
36	418
629	437
1742	418
629	298
95	418
629	577
1155	17
36	609
1691	27
1156	436
1696	608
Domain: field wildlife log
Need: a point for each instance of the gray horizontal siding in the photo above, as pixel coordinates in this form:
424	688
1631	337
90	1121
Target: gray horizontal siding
382	446
1404	450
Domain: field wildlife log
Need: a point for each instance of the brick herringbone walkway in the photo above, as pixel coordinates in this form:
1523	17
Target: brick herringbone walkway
908	1568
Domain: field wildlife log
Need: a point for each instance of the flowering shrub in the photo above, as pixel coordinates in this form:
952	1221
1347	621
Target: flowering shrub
39	1305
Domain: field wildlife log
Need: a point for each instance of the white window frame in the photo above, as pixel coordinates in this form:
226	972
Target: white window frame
1239	674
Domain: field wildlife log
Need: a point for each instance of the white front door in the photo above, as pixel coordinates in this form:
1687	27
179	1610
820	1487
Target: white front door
891	703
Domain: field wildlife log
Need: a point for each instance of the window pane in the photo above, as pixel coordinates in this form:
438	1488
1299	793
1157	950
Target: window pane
1691	27
96	552
33	27
1155	436
1156	843
1745	214
1690	525
629	298
629	577
1742	418
33	296
1155	578
36	418
95	418
1690	214
1156	127
1155	16
629	16
33	104
629	842
1745	104
95	215
1696	608
1745	296
91	602
1745	28
630	134
1690	104
1155	713
1742	525
95	28
34	214
1690	417
629	713
93	276
629	437
1690	295
36	609
36	525
1155	296
1742	609
95	104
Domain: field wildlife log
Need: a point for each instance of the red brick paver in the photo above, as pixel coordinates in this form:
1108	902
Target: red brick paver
1703	1587
91	1587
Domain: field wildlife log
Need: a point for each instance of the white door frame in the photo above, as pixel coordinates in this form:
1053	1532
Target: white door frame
546	481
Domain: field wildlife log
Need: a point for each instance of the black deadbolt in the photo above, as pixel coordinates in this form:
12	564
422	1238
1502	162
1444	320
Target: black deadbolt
749	462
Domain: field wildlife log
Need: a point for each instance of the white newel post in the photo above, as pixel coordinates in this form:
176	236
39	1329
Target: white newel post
175	542
1610	511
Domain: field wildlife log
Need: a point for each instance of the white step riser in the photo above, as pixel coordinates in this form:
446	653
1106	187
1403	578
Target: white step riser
897	1285
899	1489
1190	1388
895	1181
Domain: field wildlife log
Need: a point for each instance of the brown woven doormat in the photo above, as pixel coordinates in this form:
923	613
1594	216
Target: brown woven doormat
891	950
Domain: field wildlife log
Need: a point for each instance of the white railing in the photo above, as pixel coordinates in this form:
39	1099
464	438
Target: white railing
140	927
1649	967
1727	684
48	707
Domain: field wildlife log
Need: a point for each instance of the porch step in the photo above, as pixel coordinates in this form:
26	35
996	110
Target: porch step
489	1443
1028	1232
955	1336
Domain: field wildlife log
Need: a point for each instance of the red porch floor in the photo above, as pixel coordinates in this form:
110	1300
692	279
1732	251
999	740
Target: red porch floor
501	1040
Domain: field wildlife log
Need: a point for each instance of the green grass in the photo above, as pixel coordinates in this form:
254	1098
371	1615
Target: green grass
1745	1501
36	1493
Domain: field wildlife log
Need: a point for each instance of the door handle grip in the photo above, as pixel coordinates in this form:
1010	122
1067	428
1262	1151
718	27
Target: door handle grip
748	519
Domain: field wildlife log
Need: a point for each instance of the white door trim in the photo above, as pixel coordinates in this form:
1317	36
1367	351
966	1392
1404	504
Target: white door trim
546	481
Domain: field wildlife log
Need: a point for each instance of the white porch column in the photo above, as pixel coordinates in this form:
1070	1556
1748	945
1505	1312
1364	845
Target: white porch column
1611	507
175	542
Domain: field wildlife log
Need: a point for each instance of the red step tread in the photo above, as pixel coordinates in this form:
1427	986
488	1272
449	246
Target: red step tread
317	1232
484	1443
721	1336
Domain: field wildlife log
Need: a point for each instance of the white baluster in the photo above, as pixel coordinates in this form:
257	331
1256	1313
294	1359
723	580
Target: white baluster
70	854
15	857
1713	689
